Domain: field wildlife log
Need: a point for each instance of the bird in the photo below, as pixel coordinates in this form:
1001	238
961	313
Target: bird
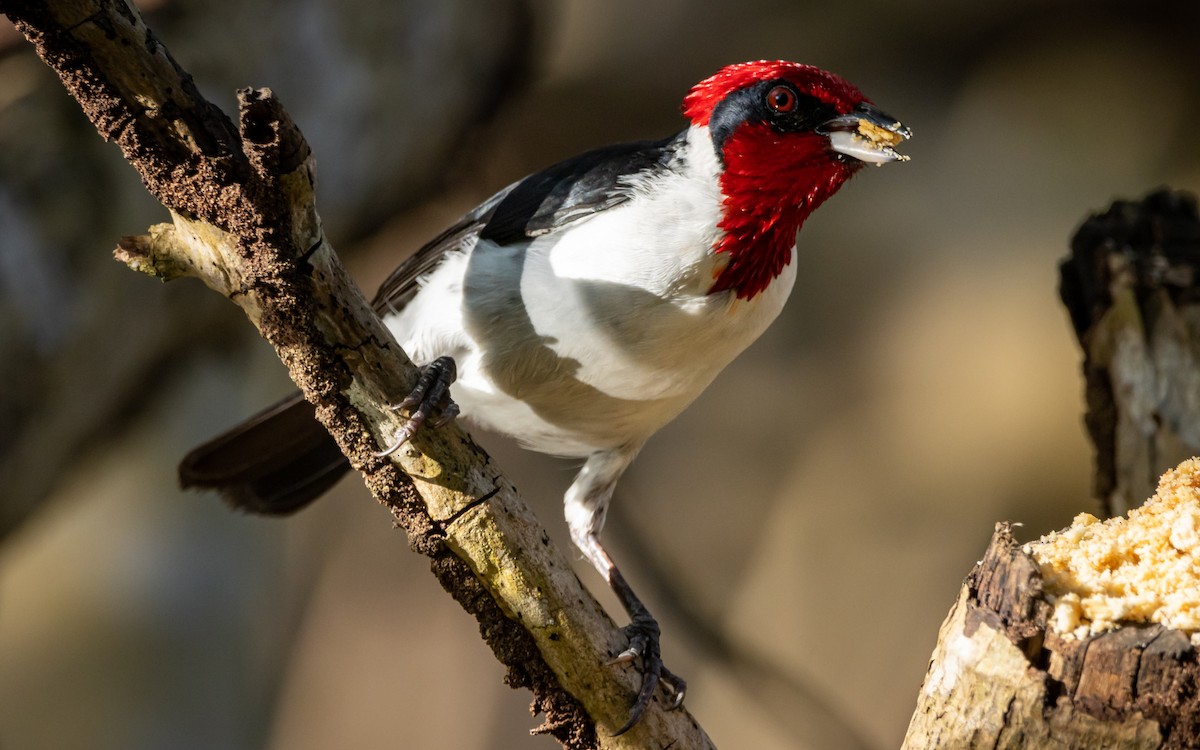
582	308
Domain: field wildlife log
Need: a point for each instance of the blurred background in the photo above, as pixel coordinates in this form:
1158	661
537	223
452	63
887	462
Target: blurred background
801	530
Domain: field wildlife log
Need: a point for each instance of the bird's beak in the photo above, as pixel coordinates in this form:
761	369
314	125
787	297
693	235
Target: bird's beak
867	134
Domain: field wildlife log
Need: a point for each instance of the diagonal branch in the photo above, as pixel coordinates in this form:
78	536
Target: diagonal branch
244	222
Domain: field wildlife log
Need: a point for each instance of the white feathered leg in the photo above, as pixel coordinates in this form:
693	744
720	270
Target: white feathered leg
586	504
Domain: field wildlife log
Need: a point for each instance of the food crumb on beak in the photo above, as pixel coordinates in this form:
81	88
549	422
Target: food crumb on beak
878	135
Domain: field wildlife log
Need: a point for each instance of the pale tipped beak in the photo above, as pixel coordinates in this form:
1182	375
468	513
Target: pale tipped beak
867	134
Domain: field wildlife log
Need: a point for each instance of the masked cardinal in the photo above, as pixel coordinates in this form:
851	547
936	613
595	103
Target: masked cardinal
582	308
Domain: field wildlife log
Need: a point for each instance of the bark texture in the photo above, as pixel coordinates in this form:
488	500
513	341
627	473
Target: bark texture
999	679
244	222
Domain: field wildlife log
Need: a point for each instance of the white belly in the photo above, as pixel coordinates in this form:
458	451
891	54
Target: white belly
572	345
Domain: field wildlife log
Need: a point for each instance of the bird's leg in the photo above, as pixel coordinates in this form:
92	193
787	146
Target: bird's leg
430	397
643	633
586	506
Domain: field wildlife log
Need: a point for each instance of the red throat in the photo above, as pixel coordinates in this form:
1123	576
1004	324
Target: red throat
771	184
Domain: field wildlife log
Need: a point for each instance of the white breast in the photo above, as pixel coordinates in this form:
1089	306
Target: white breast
597	336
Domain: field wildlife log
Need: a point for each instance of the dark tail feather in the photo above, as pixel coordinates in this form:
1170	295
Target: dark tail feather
274	463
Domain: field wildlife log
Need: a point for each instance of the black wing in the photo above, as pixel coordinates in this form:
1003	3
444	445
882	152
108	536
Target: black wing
541	203
574	189
401	285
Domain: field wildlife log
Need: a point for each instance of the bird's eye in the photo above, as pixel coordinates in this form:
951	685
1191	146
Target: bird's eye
781	99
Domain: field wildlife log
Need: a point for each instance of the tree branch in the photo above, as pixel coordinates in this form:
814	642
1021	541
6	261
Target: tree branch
244	222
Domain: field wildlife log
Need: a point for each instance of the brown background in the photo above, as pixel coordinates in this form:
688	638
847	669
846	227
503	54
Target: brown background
802	529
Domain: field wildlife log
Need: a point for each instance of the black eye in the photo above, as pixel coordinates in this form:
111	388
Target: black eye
781	99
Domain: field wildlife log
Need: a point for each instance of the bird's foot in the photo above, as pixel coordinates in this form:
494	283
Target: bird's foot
428	404
643	634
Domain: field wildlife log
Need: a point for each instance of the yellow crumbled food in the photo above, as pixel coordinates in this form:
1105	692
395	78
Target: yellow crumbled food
1141	568
877	134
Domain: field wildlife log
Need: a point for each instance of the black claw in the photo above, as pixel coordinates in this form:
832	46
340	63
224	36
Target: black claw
678	686
431	396
643	634
449	412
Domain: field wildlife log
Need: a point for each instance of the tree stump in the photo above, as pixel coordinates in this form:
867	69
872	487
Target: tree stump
1056	644
1130	288
1004	676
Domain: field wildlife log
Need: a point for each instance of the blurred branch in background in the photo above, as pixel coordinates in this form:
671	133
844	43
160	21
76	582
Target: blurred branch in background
797	703
1130	285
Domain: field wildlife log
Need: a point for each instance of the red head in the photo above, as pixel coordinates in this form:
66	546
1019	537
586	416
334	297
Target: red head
823	86
788	136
